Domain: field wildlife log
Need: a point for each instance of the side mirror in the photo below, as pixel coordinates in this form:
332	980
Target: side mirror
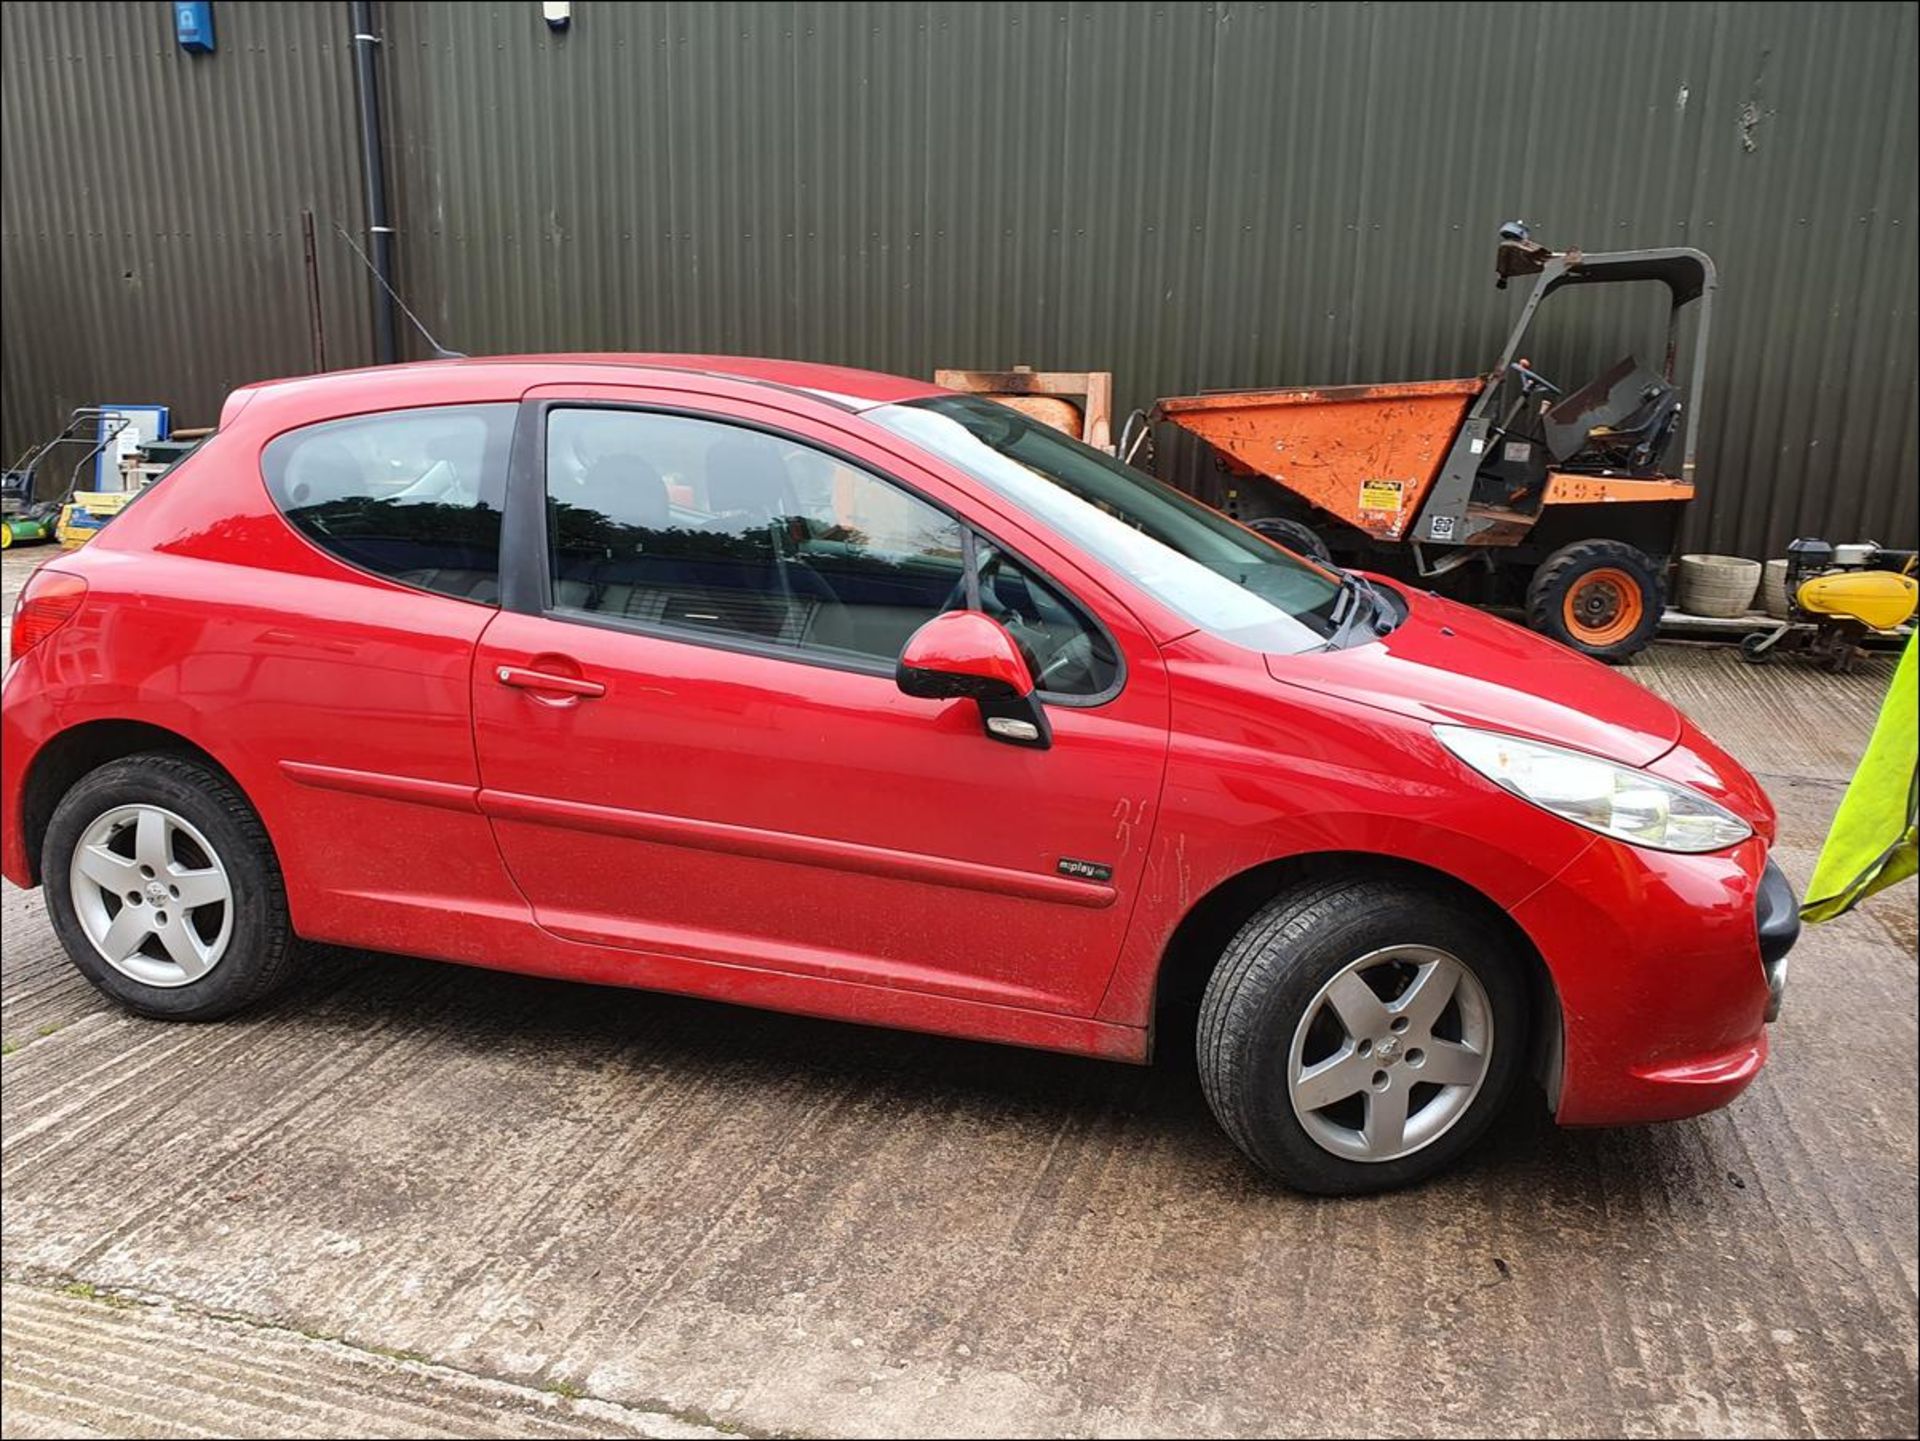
962	654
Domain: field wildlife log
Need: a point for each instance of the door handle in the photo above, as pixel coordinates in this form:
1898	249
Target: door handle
522	678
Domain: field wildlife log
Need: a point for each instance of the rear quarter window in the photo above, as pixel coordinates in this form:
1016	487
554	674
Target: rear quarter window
412	495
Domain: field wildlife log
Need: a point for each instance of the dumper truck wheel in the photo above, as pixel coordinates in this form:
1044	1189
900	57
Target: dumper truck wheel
1602	597
1296	537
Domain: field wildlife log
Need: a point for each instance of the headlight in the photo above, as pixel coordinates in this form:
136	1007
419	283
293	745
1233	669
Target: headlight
1618	801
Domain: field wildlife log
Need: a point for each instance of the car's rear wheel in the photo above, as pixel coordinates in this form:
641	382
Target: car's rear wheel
164	889
1360	1035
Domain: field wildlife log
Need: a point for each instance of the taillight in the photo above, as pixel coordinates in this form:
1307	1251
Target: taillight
49	601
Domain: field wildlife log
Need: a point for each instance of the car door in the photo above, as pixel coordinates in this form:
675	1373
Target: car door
691	742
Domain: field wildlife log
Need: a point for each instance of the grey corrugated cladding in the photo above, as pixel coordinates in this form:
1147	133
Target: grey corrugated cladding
1189	195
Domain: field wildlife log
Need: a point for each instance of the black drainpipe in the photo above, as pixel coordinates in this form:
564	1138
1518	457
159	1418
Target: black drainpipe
373	168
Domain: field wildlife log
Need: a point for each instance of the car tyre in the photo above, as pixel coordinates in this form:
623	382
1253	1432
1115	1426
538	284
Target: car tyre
171	846
1272	1018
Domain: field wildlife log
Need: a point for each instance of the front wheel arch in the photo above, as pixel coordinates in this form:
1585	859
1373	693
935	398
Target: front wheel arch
1194	950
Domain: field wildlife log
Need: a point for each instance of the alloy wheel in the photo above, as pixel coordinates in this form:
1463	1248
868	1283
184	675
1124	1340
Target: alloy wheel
1390	1053
152	895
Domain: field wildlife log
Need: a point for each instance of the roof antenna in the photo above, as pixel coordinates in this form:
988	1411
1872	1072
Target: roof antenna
440	352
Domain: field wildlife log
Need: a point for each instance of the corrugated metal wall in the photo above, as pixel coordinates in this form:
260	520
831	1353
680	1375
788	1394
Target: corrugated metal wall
1189	195
152	199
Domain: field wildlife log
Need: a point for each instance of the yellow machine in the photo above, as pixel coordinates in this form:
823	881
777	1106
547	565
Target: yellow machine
1838	596
86	513
1878	599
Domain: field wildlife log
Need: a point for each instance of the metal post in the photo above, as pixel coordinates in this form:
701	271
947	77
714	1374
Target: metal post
373	169
316	323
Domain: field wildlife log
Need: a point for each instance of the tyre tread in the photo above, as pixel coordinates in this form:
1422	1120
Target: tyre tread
1223	1021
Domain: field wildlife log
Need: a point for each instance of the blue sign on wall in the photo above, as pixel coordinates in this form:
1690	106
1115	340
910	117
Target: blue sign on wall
193	25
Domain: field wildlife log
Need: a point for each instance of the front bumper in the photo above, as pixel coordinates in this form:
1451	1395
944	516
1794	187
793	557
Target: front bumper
1777	918
1664	981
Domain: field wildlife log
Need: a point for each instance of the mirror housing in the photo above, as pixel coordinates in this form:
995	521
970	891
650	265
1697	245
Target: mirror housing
964	655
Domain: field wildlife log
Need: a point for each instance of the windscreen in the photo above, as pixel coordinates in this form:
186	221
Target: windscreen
1216	573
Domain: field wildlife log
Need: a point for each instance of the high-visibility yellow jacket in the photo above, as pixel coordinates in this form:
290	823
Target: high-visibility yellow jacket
1873	840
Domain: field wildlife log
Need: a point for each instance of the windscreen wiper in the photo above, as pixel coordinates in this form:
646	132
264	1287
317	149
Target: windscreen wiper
1361	598
1344	601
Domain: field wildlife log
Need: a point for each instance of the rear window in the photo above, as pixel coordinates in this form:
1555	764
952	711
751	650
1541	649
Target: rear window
412	495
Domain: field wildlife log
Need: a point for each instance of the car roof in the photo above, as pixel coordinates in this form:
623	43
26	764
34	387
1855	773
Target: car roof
852	388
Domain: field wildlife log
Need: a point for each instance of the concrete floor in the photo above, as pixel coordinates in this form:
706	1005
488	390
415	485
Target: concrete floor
411	1199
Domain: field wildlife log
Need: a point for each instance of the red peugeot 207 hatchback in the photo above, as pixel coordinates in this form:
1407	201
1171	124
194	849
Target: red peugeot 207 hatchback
835	693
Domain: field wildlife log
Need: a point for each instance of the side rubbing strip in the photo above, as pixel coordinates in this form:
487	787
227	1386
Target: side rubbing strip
795	849
446	795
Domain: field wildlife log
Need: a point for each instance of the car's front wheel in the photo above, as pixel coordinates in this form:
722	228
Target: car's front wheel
1360	1035
164	889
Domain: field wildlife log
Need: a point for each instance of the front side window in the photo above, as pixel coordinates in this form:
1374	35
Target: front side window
1216	573
704	527
1068	655
413	495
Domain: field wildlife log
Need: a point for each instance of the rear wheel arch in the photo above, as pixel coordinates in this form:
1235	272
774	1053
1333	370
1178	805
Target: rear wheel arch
76	752
1194	950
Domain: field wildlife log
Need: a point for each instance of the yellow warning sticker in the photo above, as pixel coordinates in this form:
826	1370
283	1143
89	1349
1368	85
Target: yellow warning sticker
1382	494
